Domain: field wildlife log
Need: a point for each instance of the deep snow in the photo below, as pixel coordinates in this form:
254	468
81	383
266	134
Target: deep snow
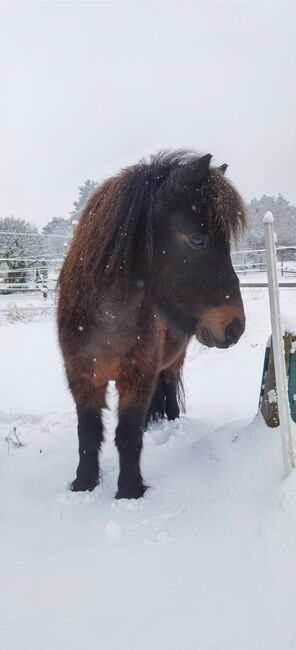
206	561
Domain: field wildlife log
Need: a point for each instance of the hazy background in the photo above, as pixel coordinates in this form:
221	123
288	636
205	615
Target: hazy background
88	87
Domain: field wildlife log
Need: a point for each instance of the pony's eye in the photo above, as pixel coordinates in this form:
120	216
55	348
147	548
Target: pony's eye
196	241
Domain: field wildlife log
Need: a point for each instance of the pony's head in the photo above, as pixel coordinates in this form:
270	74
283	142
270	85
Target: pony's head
197	213
164	228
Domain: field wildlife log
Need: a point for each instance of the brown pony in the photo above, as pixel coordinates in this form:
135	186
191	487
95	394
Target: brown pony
149	267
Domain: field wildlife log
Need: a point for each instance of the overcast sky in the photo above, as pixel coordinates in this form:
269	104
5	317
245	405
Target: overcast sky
89	87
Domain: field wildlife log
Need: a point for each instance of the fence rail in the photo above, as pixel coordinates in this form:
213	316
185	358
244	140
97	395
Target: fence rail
32	274
263	285
33	234
37	274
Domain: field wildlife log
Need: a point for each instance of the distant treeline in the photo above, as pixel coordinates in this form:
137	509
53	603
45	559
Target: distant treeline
284	217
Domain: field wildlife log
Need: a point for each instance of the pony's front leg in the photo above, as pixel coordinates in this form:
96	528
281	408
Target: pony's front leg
90	435
135	392
90	400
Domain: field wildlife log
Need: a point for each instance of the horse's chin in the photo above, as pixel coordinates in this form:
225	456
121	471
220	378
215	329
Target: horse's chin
204	337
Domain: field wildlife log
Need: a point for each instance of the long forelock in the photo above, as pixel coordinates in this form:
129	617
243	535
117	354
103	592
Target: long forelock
230	212
129	201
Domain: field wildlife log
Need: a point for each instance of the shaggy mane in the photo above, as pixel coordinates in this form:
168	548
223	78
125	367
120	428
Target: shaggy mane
117	225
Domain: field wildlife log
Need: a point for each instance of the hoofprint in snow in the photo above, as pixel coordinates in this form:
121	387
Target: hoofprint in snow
206	561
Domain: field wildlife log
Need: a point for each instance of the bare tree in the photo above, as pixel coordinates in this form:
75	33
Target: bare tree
21	248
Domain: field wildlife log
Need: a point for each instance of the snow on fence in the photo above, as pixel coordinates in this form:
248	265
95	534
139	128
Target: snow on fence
31	274
251	265
28	282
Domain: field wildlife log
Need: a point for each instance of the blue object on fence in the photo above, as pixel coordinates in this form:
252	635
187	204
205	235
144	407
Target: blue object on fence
291	380
264	373
292	385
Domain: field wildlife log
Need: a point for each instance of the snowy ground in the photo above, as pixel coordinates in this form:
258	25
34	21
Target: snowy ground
206	561
26	306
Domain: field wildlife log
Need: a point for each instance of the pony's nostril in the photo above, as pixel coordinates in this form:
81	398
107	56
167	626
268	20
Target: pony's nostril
233	331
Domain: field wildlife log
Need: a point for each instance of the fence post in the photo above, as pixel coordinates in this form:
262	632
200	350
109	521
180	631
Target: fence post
278	346
45	279
74	227
66	244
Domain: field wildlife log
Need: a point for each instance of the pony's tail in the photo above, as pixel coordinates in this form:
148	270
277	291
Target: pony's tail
168	400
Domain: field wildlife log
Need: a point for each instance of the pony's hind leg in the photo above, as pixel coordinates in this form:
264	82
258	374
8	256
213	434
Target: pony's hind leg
174	398
168	398
173	389
89	403
135	392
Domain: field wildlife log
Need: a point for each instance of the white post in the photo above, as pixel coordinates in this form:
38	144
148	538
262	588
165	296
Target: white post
278	345
74	227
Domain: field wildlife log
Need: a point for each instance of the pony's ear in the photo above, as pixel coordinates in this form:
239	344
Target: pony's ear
223	168
202	167
193	172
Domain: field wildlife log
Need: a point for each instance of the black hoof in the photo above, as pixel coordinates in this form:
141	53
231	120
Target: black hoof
173	413
135	491
82	486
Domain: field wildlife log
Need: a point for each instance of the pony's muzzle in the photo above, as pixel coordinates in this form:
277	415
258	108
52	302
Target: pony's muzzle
220	329
234	330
